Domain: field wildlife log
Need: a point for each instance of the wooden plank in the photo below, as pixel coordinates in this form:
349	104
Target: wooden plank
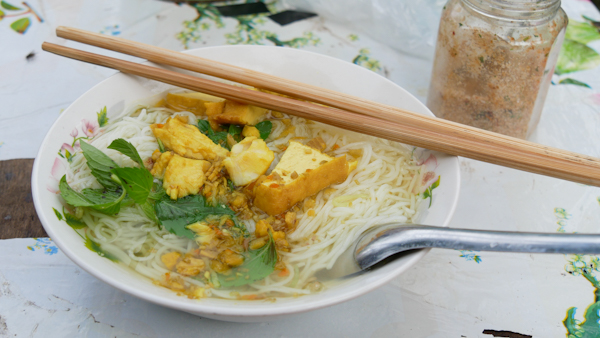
18	218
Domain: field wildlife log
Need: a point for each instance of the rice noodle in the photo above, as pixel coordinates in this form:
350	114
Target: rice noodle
383	188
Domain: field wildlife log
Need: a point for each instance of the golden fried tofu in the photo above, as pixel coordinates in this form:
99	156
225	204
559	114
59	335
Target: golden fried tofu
158	170
192	102
184	176
301	172
248	160
231	112
187	140
170	259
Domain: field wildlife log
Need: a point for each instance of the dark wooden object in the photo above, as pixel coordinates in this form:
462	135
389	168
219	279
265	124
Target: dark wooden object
18	218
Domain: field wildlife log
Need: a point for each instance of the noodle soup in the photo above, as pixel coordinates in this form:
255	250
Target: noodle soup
221	255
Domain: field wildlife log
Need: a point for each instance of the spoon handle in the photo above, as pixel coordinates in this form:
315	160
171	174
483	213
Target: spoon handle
389	239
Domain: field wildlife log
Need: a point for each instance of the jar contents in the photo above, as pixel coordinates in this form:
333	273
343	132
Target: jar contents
492	76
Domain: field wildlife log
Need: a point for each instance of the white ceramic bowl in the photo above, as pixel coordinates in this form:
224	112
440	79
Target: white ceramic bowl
119	90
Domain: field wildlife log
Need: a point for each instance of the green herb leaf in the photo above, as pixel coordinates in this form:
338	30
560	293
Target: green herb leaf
2	15
126	149
97	248
20	26
175	215
230	185
74	222
264	128
100	164
161	146
235	129
9	7
58	214
157	192
102	118
257	265
105	201
148	209
219	138
574	82
137	182
205	127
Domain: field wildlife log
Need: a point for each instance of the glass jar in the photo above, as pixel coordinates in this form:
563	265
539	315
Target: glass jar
494	60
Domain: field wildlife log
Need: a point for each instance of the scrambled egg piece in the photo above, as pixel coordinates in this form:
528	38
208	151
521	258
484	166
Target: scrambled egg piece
248	160
231	112
250	131
189	266
170	259
192	102
184	176
205	234
302	171
158	170
187	140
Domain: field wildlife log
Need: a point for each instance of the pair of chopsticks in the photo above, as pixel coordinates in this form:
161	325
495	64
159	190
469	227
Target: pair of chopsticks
340	110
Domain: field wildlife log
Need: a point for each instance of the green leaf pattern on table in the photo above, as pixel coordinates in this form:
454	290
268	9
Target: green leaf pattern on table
20	25
9	7
573	82
247	30
575	55
587	266
365	60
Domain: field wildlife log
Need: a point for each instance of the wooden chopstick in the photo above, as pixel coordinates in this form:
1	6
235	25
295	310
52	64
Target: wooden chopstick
522	155
294	89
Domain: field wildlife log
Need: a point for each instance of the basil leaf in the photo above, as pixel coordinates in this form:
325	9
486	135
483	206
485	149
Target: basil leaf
264	128
100	164
148	209
205	127
257	265
137	182
157	192
105	201
176	215
126	149
219	138
235	129
73	221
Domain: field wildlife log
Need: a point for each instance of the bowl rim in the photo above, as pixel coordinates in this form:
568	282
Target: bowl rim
210	309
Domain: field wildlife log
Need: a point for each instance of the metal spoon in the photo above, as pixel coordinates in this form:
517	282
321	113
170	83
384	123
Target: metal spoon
378	244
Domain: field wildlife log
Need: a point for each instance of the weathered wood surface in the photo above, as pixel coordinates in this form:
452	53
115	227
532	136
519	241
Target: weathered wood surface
18	218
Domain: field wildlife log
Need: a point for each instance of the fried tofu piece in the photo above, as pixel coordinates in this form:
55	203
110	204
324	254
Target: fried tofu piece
231	112
192	102
301	172
187	140
158	170
184	176
248	160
